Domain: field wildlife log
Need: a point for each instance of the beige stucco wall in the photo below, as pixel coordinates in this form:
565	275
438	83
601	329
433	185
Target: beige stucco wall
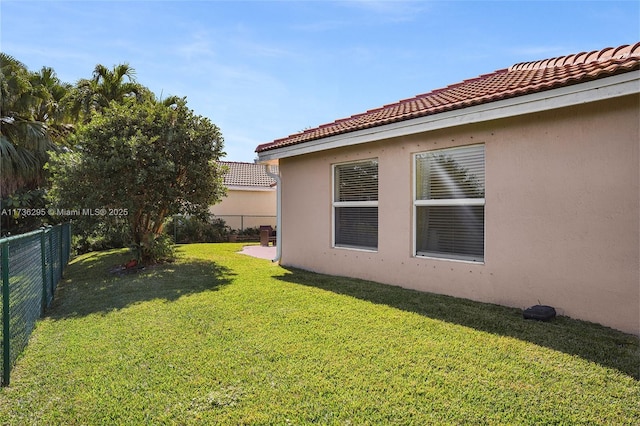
247	208
562	219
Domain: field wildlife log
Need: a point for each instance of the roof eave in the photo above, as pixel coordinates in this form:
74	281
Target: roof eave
591	91
254	188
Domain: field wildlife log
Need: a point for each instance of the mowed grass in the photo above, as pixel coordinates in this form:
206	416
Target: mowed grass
223	338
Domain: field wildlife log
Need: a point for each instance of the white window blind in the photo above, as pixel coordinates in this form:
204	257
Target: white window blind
355	205
449	203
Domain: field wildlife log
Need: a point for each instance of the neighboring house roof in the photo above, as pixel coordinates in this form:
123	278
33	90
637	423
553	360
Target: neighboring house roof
518	80
246	175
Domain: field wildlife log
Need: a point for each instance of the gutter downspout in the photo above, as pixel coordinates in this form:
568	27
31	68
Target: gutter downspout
278	212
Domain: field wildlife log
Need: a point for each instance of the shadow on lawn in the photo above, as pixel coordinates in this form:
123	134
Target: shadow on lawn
90	287
589	341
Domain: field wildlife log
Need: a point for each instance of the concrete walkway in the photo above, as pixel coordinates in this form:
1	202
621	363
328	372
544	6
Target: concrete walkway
260	251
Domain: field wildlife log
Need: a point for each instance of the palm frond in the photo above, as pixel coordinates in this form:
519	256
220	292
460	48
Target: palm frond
17	162
122	70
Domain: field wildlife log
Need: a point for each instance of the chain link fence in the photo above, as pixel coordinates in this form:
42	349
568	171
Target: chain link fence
31	267
218	229
241	222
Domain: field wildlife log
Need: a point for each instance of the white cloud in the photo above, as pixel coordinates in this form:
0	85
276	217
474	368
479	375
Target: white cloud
198	46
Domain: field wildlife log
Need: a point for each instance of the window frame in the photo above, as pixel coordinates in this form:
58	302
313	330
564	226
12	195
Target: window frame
346	204
450	202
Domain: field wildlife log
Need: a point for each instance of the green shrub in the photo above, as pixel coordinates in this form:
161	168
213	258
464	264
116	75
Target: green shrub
250	232
91	235
24	211
158	248
186	230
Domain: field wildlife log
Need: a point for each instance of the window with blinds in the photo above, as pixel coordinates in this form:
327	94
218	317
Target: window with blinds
355	205
449	203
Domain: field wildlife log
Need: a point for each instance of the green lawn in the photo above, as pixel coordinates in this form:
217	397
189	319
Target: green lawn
223	338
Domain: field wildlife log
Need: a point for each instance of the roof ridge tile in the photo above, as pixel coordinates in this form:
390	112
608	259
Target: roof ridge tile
601	55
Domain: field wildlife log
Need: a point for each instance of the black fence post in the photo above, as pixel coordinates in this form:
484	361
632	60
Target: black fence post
6	337
43	258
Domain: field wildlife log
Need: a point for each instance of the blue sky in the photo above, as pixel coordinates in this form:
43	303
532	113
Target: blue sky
262	70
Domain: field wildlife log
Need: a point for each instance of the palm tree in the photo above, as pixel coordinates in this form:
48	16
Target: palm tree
53	104
107	85
24	140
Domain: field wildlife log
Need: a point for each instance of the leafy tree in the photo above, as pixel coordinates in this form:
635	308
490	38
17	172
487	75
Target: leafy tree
142	162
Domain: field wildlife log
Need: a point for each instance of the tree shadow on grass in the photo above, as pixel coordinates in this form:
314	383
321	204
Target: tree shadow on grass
90	286
593	342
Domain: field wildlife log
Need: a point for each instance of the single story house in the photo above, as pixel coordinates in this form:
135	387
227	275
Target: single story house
251	197
517	187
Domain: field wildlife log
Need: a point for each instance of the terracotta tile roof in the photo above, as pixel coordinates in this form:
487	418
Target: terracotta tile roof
246	174
520	79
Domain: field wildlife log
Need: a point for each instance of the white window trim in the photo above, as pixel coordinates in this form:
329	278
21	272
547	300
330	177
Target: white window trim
355	204
451	202
335	204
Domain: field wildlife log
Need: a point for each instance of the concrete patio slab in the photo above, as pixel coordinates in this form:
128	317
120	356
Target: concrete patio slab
261	252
